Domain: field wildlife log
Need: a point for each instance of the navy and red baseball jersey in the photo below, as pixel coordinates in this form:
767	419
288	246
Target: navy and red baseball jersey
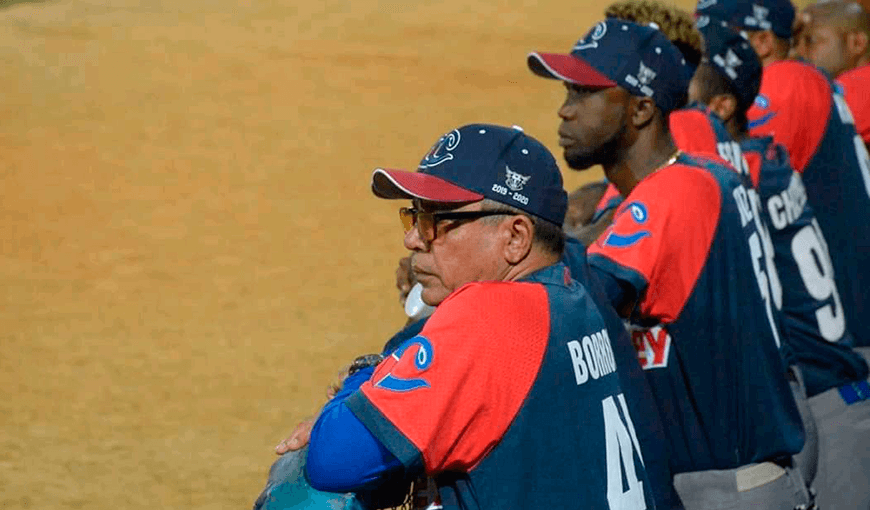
688	242
510	396
854	85
800	107
813	319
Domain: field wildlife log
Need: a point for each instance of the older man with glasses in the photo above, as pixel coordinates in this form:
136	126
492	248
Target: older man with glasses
512	394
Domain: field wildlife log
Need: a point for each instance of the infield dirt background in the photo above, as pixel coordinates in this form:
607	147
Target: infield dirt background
190	249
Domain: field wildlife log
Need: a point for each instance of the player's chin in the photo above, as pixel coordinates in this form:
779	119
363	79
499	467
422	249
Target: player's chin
433	292
579	159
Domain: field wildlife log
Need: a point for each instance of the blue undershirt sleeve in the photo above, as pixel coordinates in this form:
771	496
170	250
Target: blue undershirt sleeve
343	456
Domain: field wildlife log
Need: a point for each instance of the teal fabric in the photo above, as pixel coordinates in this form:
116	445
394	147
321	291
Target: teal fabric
287	489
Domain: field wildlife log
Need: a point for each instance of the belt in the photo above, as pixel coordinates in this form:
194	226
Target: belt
855	392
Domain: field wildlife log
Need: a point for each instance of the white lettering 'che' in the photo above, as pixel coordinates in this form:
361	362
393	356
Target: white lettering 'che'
592	356
786	207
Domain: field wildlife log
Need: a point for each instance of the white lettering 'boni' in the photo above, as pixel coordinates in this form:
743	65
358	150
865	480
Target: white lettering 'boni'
592	357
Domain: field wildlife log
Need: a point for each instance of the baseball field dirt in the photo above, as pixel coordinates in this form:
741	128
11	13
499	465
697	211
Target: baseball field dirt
189	250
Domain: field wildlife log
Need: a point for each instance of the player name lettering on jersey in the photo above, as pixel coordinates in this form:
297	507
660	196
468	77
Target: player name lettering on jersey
761	250
653	345
592	357
786	207
731	152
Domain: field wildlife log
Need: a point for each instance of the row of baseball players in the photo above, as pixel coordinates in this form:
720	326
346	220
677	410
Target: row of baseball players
735	256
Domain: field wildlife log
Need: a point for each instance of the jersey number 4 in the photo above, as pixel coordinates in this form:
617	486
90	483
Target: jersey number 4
624	488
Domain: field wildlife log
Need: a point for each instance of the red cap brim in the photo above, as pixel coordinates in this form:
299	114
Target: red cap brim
568	68
404	184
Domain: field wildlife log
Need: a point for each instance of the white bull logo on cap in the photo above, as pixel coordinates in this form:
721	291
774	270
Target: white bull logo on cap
514	180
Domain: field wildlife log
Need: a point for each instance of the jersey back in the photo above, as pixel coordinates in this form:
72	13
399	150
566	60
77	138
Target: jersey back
688	240
813	319
511	397
799	106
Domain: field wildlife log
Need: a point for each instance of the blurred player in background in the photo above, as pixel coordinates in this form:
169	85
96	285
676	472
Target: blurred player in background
684	263
835	36
804	111
815	328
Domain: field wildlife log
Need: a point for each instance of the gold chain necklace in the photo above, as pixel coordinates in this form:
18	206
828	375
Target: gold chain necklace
671	160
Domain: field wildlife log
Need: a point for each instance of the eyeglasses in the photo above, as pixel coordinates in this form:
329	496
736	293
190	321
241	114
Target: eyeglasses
426	221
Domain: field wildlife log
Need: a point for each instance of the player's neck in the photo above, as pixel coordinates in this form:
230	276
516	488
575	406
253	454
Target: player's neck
536	260
646	156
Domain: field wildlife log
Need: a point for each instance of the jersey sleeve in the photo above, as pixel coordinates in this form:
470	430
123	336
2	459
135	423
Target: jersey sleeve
661	237
854	84
794	106
451	392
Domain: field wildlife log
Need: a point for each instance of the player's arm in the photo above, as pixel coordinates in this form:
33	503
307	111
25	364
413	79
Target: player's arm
658	243
343	456
426	402
300	435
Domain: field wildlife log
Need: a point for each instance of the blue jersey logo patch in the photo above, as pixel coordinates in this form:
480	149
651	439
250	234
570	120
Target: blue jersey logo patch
422	360
763	103
640	215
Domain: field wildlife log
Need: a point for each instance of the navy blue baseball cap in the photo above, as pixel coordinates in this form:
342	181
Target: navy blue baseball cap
614	53
774	15
480	161
730	54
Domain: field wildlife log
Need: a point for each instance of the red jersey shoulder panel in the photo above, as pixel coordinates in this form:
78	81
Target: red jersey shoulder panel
754	160
663	231
692	132
471	368
794	106
856	86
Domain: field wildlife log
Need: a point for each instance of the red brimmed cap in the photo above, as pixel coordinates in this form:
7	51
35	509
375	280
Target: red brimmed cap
640	59
404	184
480	161
568	68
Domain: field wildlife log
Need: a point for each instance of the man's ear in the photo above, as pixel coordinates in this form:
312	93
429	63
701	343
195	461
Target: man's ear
520	232
724	106
856	44
644	111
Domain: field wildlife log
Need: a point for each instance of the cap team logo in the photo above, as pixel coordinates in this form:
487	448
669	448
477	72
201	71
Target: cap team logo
758	18
645	76
514	180
596	35
440	152
729	63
